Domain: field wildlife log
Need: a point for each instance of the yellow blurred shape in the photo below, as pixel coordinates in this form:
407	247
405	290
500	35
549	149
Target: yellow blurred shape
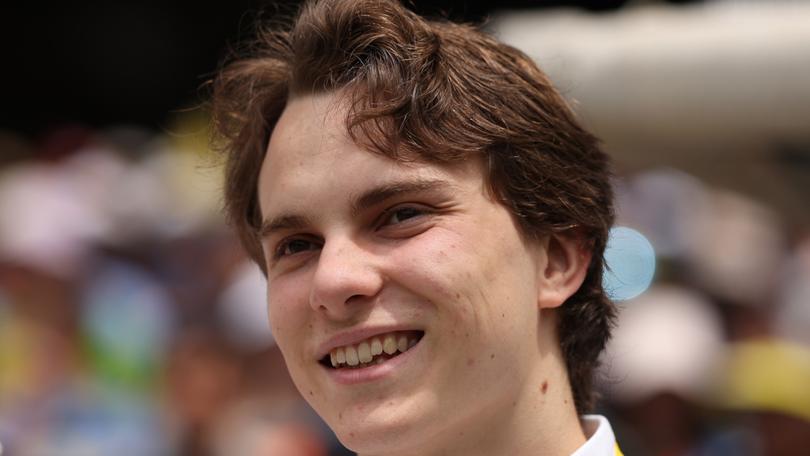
768	375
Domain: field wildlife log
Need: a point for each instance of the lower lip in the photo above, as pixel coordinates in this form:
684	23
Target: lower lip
373	372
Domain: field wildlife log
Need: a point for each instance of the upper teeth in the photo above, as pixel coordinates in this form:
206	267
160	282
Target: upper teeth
366	351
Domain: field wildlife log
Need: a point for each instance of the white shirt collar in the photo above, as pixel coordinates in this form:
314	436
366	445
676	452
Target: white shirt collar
601	440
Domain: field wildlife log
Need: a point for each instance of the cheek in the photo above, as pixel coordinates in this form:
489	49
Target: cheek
477	278
446	275
470	260
285	313
287	323
434	266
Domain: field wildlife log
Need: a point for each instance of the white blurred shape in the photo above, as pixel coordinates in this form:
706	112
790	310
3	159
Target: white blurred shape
737	249
661	203
666	340
732	245
45	219
243	309
719	68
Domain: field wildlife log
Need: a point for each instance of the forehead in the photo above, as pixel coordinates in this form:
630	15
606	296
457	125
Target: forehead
309	147
310	123
311	159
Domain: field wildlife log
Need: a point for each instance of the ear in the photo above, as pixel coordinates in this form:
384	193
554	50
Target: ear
567	258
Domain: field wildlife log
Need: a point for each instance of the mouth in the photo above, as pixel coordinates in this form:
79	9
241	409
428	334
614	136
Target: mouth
372	351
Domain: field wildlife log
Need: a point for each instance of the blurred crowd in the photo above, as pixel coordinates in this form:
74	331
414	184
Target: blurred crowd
714	357
131	323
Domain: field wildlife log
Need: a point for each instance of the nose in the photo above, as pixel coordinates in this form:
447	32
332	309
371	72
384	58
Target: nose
345	278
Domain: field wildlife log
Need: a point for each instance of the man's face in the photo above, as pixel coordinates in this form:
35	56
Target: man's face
363	251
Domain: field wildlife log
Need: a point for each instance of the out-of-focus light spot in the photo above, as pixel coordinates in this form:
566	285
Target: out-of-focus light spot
630	260
127	317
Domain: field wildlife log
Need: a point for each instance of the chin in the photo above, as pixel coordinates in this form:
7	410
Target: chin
383	430
376	443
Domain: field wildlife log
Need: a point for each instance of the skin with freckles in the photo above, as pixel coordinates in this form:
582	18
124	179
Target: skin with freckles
355	241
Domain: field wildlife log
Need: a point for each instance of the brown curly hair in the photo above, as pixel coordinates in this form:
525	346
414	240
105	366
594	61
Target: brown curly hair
437	92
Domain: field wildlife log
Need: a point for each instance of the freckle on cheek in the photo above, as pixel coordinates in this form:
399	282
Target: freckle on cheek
544	388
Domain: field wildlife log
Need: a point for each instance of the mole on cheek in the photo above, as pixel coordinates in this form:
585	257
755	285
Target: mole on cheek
545	387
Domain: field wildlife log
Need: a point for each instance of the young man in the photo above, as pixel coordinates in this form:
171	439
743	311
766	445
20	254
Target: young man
431	219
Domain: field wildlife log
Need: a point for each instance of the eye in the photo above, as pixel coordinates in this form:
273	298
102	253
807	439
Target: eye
296	245
402	214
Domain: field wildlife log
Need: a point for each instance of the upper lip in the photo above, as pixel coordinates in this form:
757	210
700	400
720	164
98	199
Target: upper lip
357	335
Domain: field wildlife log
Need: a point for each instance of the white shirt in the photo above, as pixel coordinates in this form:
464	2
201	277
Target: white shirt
601	440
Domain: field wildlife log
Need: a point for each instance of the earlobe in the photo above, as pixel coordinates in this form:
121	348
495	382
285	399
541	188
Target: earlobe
567	259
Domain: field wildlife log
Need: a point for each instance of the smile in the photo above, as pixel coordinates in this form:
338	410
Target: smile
374	350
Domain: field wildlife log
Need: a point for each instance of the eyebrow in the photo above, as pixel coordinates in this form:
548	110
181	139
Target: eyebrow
384	192
282	222
365	200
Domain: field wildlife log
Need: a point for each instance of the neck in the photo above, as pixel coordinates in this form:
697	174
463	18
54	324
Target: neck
542	421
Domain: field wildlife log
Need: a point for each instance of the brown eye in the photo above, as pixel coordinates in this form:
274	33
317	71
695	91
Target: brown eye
402	214
294	246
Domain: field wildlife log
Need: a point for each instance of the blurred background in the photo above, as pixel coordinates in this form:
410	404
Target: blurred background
132	324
